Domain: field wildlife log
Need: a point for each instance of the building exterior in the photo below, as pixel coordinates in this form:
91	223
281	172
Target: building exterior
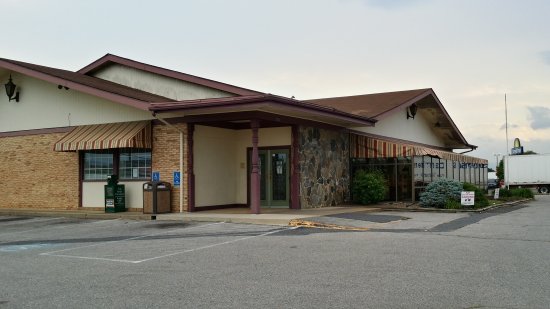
219	145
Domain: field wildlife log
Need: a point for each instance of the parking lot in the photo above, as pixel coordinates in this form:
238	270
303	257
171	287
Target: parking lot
496	260
119	241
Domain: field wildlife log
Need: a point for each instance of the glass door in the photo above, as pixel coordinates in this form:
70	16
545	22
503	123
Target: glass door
274	177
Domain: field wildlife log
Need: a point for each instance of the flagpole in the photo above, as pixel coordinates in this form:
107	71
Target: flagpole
507	147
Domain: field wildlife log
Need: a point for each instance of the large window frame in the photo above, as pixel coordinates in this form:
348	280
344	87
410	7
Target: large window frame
130	164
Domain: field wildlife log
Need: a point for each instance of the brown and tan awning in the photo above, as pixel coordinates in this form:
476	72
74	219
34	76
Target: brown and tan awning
369	147
135	134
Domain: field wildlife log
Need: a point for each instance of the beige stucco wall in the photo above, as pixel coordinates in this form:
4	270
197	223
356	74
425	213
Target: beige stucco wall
158	84
220	162
43	105
398	126
215	166
93	194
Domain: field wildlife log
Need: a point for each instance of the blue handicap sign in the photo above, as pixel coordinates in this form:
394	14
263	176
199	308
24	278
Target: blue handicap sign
176	178
156	176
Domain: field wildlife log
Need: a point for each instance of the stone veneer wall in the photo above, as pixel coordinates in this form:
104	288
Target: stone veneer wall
35	176
324	167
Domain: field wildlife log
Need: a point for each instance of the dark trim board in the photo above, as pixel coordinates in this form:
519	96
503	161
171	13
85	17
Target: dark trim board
36	132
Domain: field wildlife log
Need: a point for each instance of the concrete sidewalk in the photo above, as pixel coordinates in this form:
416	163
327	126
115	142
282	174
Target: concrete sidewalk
385	217
269	216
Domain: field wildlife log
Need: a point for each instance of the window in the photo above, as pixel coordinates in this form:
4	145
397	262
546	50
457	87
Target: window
97	165
129	163
135	164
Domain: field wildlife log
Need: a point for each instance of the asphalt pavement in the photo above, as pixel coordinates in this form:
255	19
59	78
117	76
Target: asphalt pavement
494	259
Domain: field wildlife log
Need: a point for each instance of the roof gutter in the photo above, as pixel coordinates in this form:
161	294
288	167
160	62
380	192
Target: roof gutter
472	148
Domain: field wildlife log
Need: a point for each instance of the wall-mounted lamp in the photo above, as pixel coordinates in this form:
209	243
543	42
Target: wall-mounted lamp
10	90
411	111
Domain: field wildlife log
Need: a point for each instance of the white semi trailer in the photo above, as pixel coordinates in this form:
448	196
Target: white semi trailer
528	171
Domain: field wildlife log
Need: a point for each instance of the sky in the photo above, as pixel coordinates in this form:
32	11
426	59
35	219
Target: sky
473	53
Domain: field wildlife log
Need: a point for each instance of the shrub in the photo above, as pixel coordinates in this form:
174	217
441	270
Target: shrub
523	192
518	193
480	198
440	192
453	204
369	187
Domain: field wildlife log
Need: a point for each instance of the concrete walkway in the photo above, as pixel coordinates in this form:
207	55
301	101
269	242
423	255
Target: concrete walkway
269	216
382	217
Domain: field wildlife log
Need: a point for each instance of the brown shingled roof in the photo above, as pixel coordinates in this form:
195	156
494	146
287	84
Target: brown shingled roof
373	105
73	80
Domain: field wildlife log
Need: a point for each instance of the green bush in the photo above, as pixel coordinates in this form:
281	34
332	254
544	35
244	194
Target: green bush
515	193
453	204
369	187
480	198
523	192
440	192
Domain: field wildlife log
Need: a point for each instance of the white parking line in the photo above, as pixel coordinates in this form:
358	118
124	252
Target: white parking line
54	253
51	253
68	225
215	245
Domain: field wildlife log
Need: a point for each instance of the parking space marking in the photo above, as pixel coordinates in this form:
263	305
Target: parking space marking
68	225
52	253
57	252
215	245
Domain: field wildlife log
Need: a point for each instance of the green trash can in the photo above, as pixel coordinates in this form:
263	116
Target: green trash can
115	195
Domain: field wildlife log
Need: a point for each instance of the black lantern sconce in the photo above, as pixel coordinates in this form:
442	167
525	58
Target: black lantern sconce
10	90
411	111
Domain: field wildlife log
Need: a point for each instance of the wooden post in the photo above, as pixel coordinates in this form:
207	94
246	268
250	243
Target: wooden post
255	173
295	169
190	172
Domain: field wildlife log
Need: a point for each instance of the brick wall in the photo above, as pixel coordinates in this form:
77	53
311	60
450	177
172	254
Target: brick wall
35	176
165	156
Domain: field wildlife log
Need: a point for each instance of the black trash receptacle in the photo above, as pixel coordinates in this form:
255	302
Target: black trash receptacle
156	197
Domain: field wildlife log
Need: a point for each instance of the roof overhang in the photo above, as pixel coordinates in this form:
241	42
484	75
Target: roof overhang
12	66
263	103
431	108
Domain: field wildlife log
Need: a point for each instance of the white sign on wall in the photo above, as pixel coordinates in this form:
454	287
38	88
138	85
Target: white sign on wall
467	198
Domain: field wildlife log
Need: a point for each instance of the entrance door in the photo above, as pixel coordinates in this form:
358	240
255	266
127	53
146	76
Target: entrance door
274	177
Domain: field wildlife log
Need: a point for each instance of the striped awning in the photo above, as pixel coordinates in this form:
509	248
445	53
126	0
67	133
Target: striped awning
135	134
369	147
366	147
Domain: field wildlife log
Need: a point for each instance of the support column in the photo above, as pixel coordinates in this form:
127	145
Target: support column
255	173
190	169
295	169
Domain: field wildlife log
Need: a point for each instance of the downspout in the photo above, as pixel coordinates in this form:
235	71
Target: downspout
181	154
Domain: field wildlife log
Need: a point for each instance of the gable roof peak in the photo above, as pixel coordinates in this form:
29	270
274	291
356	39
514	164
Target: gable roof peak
109	59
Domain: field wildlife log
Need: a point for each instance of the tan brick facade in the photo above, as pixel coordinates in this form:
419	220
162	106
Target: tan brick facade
165	156
35	176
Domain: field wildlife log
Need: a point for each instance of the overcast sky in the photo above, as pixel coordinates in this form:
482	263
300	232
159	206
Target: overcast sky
471	53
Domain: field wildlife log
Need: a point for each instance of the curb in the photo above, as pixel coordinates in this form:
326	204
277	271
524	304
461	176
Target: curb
443	210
